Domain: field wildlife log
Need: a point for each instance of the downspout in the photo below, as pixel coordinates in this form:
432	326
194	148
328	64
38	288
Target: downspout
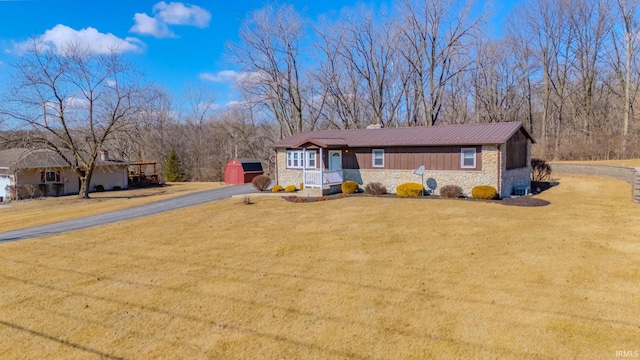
499	170
276	168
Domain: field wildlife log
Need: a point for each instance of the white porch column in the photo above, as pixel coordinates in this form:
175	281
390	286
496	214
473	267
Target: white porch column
321	170
303	161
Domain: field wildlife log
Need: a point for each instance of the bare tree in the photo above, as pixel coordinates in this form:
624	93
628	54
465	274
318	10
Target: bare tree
342	86
591	22
499	83
195	118
75	101
270	55
436	36
368	49
624	59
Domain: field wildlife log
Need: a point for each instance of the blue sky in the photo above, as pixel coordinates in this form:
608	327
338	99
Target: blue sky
175	43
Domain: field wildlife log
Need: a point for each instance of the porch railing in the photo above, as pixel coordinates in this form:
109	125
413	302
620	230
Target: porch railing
317	178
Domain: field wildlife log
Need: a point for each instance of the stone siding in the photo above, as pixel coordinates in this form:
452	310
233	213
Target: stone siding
286	176
465	179
514	177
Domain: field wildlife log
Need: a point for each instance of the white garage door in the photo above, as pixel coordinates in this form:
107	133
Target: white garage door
4	182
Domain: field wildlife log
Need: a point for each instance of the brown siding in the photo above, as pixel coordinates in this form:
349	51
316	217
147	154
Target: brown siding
408	158
517	151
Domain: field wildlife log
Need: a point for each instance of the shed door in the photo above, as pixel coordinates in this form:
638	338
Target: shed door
335	159
236	174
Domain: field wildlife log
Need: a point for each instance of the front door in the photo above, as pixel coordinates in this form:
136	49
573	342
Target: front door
335	159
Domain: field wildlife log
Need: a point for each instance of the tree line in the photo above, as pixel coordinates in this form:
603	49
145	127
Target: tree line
567	69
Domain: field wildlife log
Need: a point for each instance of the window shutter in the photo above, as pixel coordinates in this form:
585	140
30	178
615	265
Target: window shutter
42	179
58	176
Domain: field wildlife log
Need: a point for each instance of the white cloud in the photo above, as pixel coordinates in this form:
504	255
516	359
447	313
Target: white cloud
165	14
147	25
60	37
231	76
176	13
76	103
229	105
221	76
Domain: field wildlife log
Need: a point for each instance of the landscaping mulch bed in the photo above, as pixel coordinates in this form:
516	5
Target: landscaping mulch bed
519	201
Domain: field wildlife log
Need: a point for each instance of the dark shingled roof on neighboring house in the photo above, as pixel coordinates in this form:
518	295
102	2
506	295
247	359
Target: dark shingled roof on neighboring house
21	158
445	135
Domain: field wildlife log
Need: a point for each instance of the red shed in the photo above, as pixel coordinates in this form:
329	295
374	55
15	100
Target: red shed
242	171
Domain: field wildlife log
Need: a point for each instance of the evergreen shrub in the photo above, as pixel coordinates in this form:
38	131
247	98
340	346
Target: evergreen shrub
410	189
290	188
349	187
484	192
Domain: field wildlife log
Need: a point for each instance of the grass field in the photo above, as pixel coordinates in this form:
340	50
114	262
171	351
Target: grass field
34	212
354	278
625	162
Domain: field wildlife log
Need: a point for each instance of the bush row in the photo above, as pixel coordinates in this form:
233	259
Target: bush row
410	189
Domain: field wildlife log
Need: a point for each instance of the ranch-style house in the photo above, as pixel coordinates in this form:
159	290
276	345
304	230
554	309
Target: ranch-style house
494	154
49	174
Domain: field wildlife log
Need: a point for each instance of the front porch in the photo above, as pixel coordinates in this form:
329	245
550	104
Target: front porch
321	182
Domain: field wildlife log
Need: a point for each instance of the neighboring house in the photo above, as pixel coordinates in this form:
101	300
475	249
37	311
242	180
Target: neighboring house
50	175
496	154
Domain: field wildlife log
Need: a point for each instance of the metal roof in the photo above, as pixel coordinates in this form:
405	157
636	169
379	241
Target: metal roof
465	134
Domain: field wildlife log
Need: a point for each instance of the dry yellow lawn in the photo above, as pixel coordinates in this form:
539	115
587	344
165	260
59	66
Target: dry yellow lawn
624	162
48	210
353	278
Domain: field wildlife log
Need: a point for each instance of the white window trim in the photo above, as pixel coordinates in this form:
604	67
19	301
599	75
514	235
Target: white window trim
290	155
380	156
462	153
308	160
303	160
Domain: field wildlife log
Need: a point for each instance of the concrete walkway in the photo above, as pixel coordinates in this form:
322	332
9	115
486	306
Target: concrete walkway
126	214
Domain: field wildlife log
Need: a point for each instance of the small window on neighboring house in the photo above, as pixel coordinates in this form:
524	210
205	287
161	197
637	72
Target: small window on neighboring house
49	176
311	160
468	158
377	156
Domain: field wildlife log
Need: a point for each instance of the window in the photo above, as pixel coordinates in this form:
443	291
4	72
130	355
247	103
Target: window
377	156
49	176
296	160
468	158
311	159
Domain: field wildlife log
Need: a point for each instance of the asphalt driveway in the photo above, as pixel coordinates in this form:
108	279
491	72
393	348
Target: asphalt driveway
126	214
